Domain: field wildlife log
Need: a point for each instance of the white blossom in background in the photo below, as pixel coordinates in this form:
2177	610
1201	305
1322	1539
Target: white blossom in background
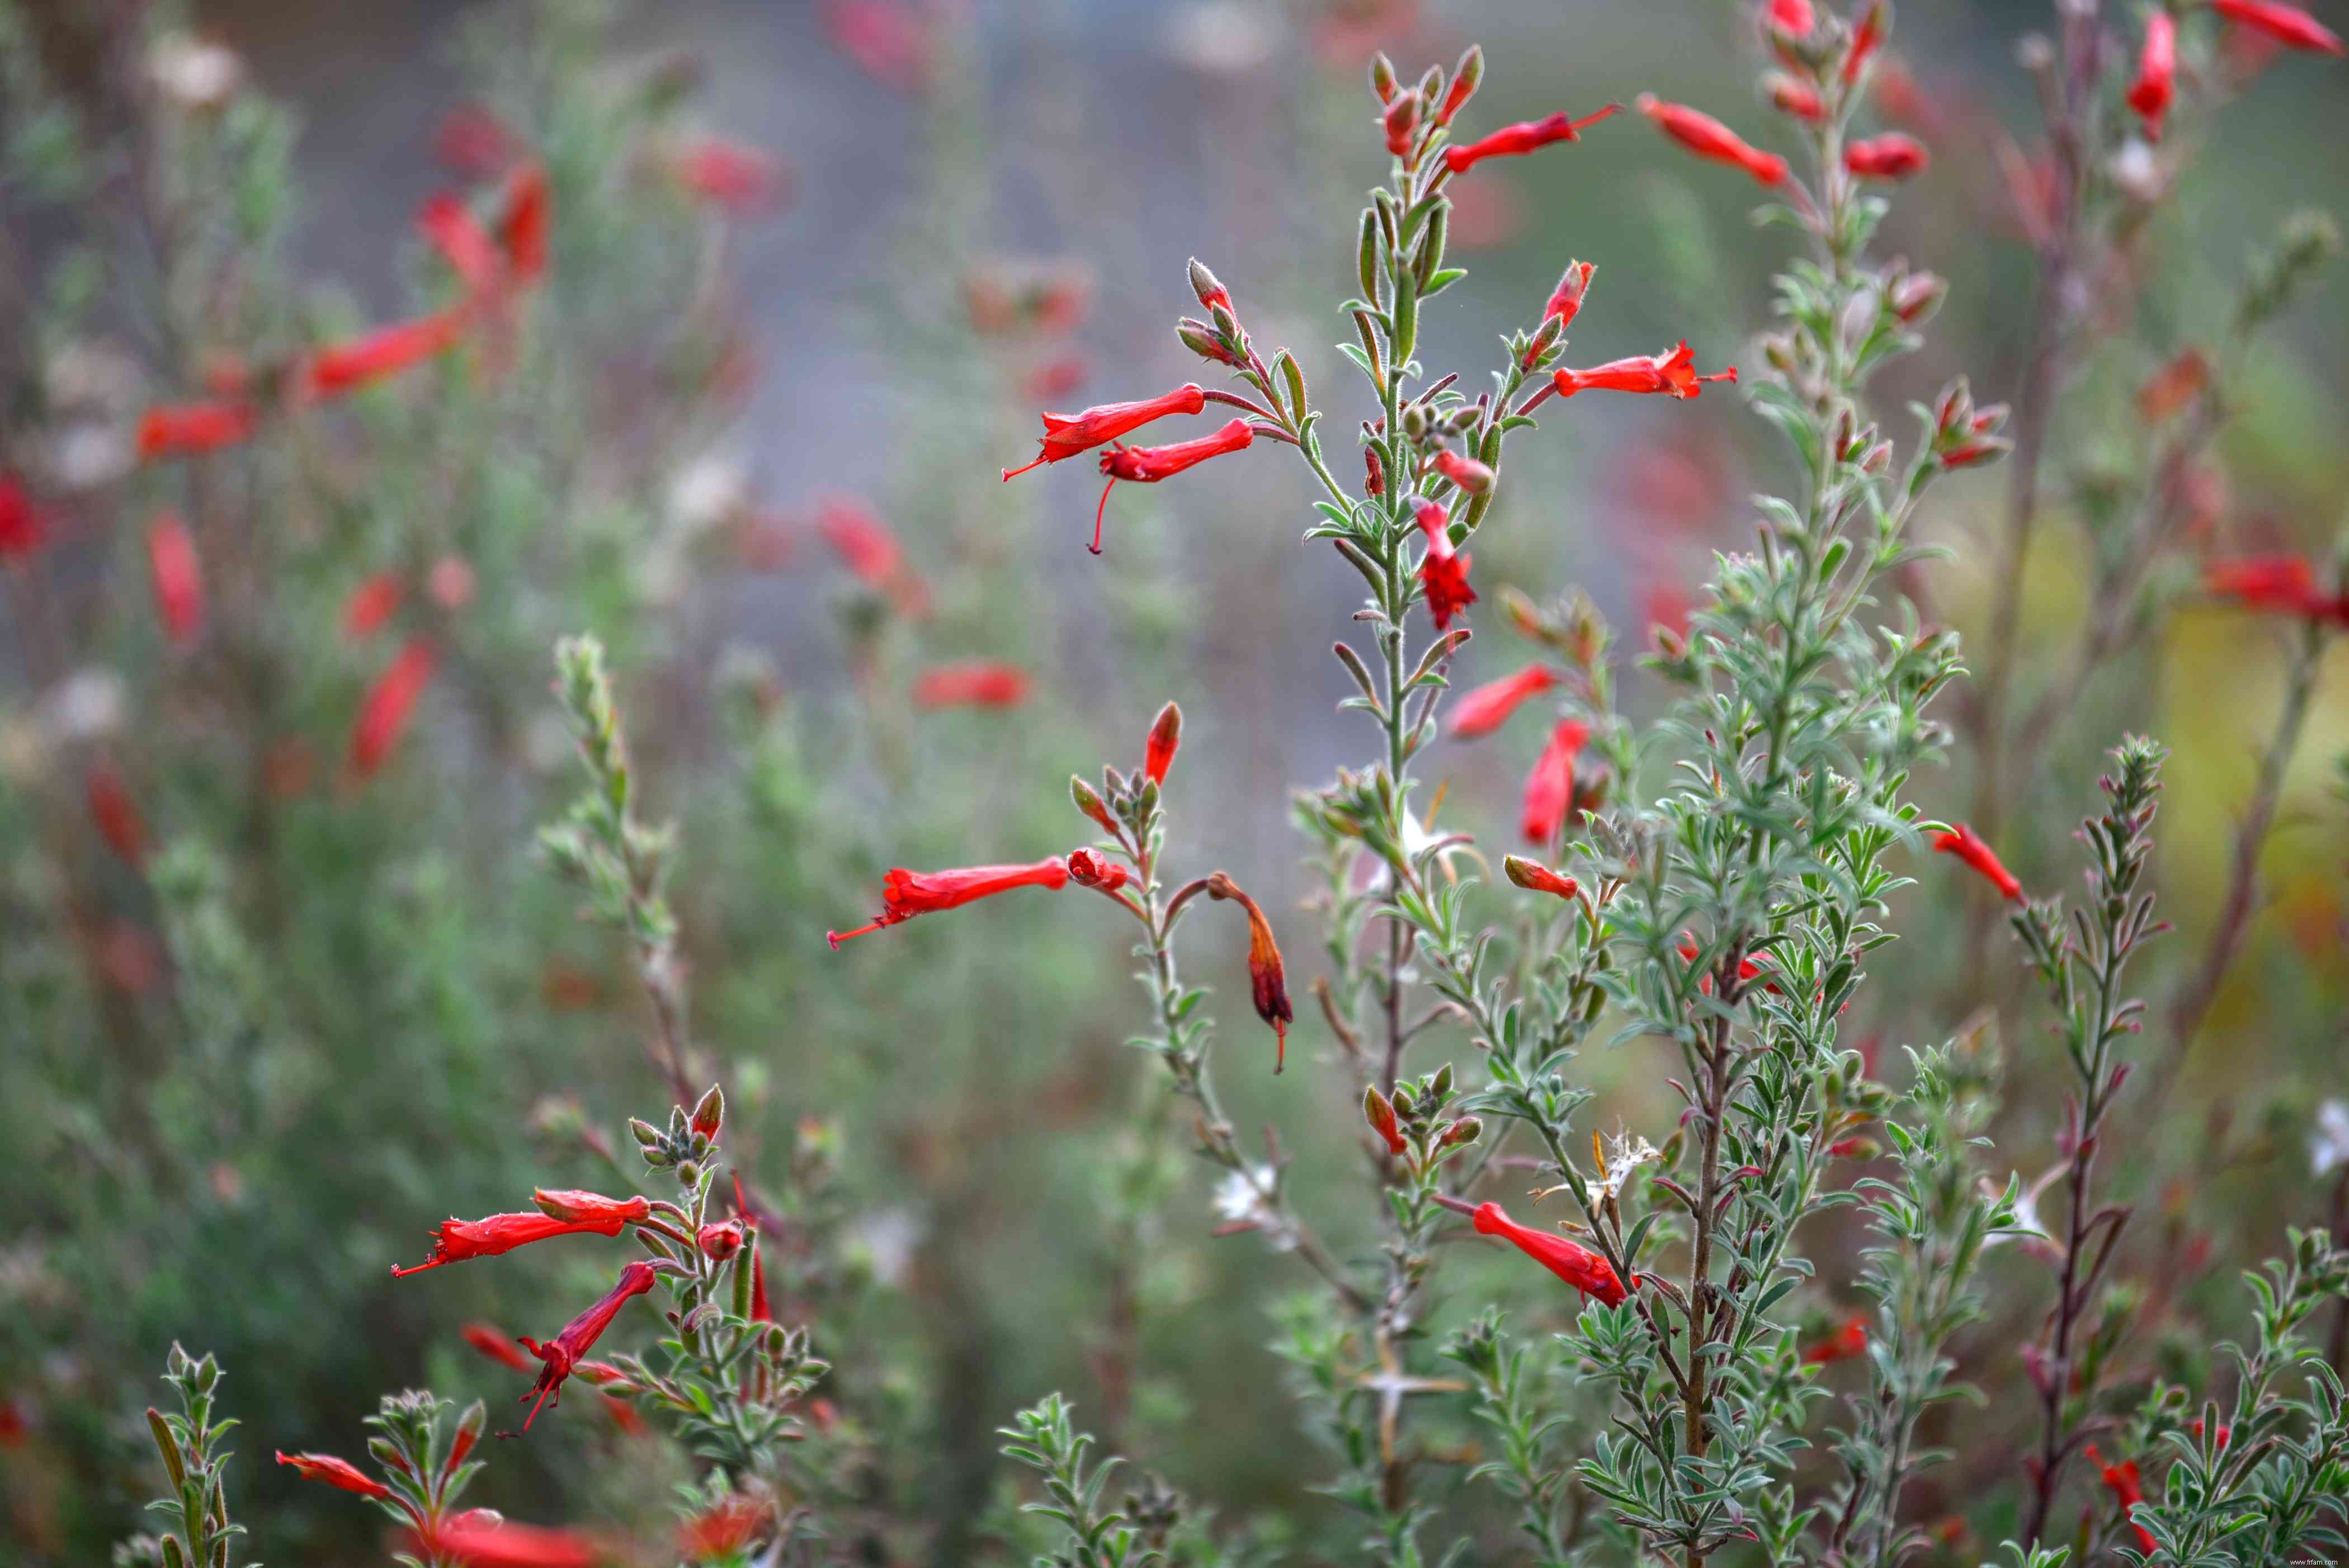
1244	1199
2328	1146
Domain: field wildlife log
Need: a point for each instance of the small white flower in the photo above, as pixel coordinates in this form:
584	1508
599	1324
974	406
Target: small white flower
889	1237
86	704
2328	1146
1244	1198
1626	1152
88	453
195	73
706	493
2028	1226
2136	170
1220	37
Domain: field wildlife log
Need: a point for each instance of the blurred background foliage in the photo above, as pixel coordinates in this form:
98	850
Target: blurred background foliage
246	1075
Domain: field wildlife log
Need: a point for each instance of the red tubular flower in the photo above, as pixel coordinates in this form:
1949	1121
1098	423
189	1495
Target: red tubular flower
389	704
1148	465
522	231
2287	24
376	356
1268	981
2156	72
868	548
1846	1342
1565	300
1090	870
971	685
1792	17
499	1346
1535	877
479	1538
179	576
1962	843
186	429
729	175
1673	375
371	603
1516	141
2283	583
22	528
1708	138
1549	787
459	1241
1570	1261
1443	572
116	814
2128	1490
2165	394
1165	738
887	40
452	230
759	1311
1069	435
1797	98
334	1472
724	1530
1488	706
562	1353
1473	477
1892	156
905	895
1746	968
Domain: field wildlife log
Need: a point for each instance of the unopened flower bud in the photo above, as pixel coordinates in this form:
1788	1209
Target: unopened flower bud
1535	877
1380	1114
1797	98
1467	1130
1201	339
720	1241
1212	294
689	1173
1545	338
710	1114
1400	121
646	1133
1382	77
1465	79
1165	736
1918	295
1374	480
1090	803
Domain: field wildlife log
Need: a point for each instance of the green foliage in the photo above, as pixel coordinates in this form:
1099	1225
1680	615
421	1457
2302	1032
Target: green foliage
189	1441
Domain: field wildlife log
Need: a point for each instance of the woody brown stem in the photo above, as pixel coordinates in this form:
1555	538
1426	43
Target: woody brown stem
2193	1003
2070	96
